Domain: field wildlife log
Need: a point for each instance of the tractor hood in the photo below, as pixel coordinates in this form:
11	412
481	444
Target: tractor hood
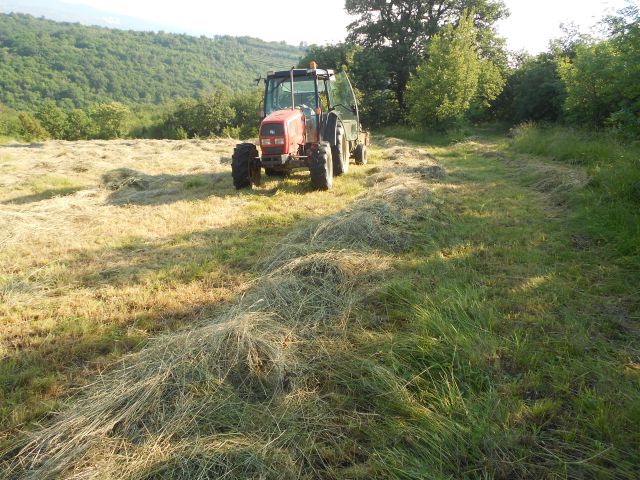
281	116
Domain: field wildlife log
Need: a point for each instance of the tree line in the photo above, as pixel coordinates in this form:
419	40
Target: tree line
428	64
441	64
212	115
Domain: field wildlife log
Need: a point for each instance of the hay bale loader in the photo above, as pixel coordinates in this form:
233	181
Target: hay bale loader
310	121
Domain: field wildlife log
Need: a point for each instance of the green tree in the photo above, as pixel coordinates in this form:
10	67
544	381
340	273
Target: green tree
377	102
246	107
448	83
535	90
53	119
602	77
30	128
77	65
109	119
79	125
399	31
206	117
334	56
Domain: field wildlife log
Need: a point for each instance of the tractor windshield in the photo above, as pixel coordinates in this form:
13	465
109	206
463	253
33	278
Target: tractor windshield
278	96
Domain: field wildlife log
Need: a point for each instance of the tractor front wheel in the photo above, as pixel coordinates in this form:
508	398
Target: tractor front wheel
321	167
245	167
360	154
340	153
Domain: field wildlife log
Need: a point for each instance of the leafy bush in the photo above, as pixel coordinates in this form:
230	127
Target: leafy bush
534	91
53	119
79	125
30	128
206	117
246	106
109	119
602	78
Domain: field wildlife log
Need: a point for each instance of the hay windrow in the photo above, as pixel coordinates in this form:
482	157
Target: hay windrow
550	178
246	394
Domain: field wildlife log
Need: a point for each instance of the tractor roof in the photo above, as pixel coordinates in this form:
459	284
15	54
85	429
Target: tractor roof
302	72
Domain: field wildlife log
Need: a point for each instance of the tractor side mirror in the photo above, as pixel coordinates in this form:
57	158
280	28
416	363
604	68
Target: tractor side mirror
261	109
354	109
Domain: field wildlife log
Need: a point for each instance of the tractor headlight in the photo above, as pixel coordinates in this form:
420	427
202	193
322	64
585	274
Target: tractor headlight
265	141
279	141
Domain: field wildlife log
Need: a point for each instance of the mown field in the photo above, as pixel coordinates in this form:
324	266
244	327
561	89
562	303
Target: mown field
451	310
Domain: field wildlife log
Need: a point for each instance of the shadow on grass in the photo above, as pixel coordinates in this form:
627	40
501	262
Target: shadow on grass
44	195
23	145
131	187
45	366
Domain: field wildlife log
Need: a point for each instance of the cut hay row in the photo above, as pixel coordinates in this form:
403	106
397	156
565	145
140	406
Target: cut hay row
254	392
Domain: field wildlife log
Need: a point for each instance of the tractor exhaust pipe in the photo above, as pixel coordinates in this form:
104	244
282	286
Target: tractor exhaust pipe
293	98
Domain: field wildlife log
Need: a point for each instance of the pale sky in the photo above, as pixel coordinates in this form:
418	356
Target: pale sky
530	27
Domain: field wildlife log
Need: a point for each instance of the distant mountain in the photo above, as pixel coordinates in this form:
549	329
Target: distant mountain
76	65
78	13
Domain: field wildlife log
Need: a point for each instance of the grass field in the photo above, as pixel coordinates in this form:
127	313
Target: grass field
448	311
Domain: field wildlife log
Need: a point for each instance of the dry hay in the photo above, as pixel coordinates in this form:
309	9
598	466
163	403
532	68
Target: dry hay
242	395
378	221
414	162
407	153
548	177
118	172
393	142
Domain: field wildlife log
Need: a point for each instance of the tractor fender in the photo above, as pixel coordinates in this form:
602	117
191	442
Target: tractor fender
330	128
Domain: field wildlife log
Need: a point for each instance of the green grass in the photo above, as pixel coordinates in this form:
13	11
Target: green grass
441	139
572	145
7	139
609	207
519	343
45	187
503	344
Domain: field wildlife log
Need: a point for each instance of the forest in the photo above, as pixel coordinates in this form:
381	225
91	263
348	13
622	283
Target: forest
76	66
448	70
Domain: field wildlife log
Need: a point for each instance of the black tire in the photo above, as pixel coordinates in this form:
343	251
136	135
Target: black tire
321	167
360	154
340	153
245	168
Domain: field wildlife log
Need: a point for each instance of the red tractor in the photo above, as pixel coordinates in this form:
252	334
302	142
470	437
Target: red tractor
310	120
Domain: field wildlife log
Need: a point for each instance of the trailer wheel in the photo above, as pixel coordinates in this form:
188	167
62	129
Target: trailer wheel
321	167
245	168
340	153
360	154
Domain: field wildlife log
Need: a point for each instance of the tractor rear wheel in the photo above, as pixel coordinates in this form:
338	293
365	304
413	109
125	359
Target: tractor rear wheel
245	168
360	154
321	167
340	153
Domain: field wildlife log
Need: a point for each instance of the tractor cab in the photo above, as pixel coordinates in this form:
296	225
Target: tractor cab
310	95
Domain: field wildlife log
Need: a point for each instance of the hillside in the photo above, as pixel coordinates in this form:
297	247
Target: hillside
77	65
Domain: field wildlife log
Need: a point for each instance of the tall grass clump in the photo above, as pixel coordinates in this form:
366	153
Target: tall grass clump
571	145
421	135
610	202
